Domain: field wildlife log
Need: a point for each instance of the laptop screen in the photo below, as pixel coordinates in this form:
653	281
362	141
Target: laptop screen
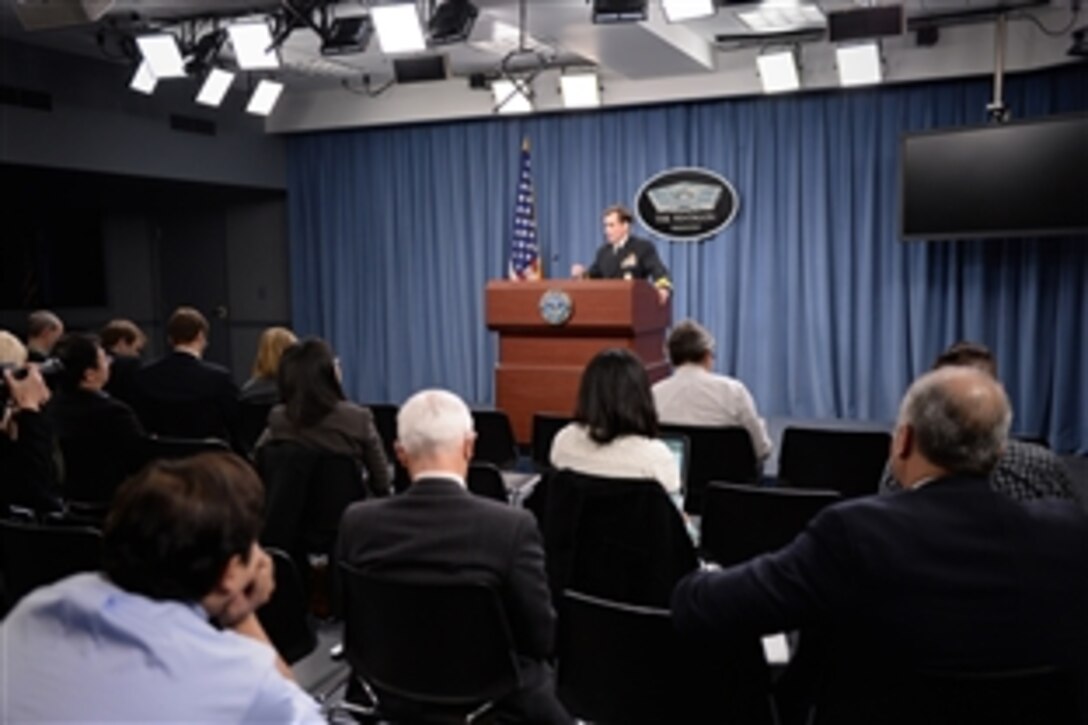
678	445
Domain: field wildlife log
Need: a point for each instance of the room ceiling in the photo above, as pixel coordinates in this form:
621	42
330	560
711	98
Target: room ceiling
637	62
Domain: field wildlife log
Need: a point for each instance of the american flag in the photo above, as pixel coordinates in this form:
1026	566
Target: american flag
524	252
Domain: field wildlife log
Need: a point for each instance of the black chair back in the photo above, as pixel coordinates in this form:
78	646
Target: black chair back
545	428
740	521
933	697
494	438
284	616
306	492
611	537
169	448
33	554
716	454
850	462
484	479
441	646
252	420
619	663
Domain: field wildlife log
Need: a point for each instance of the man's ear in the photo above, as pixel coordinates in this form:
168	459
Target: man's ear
470	446
234	578
902	442
398	449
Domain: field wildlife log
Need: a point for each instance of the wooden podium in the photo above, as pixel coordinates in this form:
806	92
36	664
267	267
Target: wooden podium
540	364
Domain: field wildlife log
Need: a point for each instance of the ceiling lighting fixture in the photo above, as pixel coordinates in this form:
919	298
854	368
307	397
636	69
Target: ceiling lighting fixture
776	16
452	22
143	81
619	11
679	10
347	36
778	72
252	42
398	28
511	96
859	65
215	87
580	90
162	55
264	98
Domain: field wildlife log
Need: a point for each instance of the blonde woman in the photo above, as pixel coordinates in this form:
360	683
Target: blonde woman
261	388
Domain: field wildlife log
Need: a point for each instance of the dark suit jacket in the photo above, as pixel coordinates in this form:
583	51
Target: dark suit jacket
122	382
101	441
645	265
948	576
28	474
438	532
181	395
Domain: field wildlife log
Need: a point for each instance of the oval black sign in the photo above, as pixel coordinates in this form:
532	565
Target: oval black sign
686	204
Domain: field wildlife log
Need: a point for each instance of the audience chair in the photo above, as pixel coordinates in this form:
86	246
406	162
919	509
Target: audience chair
285	616
545	428
385	420
740	522
166	447
494	438
306	492
33	554
484	479
717	453
935	697
850	462
611	537
620	663
426	652
252	420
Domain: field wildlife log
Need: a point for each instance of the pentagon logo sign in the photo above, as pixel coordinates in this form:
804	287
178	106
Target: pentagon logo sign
686	204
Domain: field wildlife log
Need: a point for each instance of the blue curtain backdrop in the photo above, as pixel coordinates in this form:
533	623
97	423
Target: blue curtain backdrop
815	302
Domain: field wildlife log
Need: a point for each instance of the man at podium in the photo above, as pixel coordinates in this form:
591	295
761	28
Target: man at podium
626	257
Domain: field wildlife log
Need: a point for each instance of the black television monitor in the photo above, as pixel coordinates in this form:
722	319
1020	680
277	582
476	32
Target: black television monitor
1027	178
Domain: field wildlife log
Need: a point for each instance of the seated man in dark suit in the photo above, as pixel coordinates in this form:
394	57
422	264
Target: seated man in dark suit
181	394
43	329
439	532
1025	471
100	437
945	575
123	342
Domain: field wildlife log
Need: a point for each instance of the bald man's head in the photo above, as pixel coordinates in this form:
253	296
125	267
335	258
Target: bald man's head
958	419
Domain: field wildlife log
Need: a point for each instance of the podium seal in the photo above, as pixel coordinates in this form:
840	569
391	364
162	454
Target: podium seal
555	307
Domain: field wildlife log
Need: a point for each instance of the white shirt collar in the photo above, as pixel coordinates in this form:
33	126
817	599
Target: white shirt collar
441	474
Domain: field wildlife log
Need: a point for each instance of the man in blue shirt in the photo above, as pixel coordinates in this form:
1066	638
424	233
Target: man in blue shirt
167	631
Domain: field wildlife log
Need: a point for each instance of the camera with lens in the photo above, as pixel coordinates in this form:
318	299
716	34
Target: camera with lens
50	370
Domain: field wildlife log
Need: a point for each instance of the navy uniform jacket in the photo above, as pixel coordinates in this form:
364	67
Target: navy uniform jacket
636	259
949	576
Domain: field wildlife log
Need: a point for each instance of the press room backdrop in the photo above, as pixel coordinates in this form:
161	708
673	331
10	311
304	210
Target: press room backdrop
815	302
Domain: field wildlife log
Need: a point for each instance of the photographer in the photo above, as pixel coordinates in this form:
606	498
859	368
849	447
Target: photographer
28	474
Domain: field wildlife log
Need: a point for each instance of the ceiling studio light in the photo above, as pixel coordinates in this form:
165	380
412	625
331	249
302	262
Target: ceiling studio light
511	96
859	65
778	72
679	10
781	15
619	11
580	90
452	22
162	55
215	87
398	28
347	36
252	42
143	80
264	98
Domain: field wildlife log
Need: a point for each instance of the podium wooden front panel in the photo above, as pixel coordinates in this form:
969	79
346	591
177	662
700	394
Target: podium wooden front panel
540	365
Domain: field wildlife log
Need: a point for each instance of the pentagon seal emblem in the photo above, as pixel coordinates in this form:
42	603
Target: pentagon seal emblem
555	307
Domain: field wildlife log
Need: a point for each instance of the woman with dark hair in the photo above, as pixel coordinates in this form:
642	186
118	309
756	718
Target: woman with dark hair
315	412
615	425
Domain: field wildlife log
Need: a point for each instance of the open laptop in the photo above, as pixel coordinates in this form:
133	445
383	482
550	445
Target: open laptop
680	447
